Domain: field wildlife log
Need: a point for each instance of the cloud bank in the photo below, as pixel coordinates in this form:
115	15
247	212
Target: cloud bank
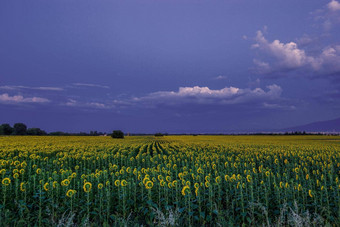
5	98
205	95
288	56
333	5
91	105
18	87
305	56
90	85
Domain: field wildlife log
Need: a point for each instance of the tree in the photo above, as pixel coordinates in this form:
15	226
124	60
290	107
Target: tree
94	133
158	134
118	134
6	129
20	129
35	132
59	133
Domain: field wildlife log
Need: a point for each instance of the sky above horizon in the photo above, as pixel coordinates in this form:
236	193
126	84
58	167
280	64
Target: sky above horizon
177	66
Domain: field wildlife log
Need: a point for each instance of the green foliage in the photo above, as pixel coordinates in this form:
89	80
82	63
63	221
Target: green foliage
35	132
19	129
6	129
117	134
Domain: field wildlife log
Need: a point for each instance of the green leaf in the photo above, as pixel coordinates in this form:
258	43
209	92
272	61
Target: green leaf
181	209
202	214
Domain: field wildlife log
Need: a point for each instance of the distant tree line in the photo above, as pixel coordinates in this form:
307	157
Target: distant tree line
21	129
158	134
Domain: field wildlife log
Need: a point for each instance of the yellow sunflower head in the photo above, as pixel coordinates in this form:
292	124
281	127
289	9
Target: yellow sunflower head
149	184
87	187
70	193
6	181
124	183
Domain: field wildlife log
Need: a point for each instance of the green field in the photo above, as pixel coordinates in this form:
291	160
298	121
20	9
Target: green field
170	180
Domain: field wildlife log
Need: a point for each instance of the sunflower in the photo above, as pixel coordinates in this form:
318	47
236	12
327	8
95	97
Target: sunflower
185	190
226	177
22	186
146	179
46	186
100	186
168	178
55	184
123	183
70	193
65	182
6	181
117	182
218	179
149	184
310	193
87	187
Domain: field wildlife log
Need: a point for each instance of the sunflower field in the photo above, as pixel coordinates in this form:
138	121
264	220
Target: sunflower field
171	180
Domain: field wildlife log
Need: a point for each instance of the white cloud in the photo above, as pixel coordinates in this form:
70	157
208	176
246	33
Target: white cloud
90	85
262	67
333	5
289	56
96	105
328	16
220	77
205	95
304	40
49	88
200	92
5	98
11	87
278	106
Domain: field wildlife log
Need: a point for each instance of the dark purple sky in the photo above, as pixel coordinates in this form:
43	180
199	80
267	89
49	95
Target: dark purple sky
169	65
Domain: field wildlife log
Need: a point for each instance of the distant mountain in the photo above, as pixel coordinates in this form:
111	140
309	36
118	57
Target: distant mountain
319	126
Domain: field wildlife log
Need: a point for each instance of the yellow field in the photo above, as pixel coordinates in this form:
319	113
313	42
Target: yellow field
171	180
